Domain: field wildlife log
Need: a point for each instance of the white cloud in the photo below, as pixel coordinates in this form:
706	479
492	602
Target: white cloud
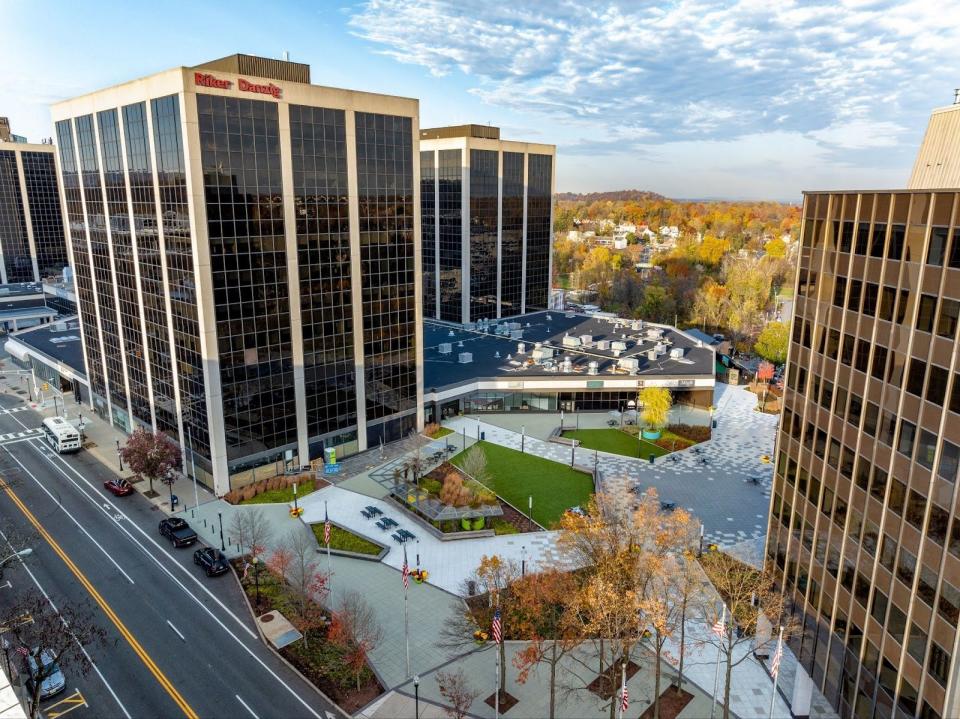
859	134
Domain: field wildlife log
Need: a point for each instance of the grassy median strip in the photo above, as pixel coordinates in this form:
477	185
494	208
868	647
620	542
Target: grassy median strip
517	476
615	442
345	541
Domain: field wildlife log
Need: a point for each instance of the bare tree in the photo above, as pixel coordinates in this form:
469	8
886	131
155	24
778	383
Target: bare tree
309	586
457	690
355	627
746	593
48	639
252	530
475	464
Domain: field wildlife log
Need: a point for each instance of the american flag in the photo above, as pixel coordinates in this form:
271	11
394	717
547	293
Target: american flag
405	570
497	628
326	530
624	699
777	656
23	651
719	628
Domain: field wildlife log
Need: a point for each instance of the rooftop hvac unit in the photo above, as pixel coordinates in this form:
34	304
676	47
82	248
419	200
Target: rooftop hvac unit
631	364
586	340
521	348
571	341
549	318
465	358
4	290
651	354
592	367
603	345
567	365
60	326
661	348
445	348
616	353
618	345
676	352
542	353
470	325
513	325
654	333
516	334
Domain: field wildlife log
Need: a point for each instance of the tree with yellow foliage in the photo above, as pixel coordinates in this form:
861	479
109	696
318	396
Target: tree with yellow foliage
776	248
712	250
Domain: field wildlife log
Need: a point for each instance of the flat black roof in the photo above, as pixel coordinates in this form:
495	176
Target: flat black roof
485	343
18	289
58	342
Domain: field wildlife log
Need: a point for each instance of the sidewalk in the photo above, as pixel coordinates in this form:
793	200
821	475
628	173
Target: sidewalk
101	440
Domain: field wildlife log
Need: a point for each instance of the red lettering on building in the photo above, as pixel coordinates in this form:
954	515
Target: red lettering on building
205	80
268	89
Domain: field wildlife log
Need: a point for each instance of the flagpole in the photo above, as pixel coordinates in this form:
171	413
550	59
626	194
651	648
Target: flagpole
623	685
496	695
716	677
406	613
327	518
776	671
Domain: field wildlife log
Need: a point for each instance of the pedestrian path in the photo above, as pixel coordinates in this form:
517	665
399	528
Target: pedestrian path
448	563
725	483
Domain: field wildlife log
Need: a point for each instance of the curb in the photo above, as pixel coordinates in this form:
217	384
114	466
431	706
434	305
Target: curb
263	640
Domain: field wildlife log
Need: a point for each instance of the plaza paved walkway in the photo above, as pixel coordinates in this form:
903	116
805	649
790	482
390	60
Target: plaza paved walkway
713	484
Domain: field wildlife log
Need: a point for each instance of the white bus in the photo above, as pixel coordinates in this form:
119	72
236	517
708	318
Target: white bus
61	435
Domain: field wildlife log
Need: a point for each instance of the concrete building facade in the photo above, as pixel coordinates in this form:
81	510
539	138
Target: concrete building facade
32	245
487	223
246	264
864	527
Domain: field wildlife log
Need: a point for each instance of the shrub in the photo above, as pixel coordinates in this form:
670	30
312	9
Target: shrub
431	486
502	526
431	429
248	492
693	432
233	496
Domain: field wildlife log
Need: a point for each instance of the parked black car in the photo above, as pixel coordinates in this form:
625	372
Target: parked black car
212	561
178	532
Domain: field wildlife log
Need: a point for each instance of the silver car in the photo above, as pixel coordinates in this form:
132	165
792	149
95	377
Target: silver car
53	681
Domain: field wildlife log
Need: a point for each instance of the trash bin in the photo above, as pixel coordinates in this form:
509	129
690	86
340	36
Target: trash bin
714	424
652	457
174	501
483	436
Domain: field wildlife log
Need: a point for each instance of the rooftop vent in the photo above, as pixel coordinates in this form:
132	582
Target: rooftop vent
676	352
496	355
451	334
592	367
521	348
460	343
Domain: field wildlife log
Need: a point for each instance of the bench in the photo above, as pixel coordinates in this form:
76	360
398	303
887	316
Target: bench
406	535
397	538
373	511
366	514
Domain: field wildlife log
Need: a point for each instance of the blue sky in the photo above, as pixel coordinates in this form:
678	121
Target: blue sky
692	98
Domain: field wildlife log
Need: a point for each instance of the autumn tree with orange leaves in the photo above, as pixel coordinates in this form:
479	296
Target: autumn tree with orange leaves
543	600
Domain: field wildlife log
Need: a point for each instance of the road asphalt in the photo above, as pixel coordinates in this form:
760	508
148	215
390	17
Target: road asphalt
180	643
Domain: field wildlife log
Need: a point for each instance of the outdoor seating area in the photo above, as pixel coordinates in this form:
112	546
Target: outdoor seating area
386	523
370	512
402	536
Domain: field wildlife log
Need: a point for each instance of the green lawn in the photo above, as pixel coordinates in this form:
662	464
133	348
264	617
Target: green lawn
515	476
345	541
280	496
614	441
442	432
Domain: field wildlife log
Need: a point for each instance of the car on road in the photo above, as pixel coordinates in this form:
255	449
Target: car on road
118	487
46	671
212	561
177	531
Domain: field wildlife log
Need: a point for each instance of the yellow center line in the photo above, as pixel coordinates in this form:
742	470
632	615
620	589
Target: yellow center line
131	640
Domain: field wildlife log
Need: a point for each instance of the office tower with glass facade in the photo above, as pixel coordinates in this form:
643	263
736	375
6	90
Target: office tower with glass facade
32	245
864	528
487	223
246	263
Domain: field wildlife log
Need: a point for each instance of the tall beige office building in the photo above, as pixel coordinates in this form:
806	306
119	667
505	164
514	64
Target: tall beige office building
487	223
246	263
864	522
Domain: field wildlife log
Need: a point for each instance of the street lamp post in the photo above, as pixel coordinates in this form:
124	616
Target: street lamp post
416	696
573	452
295	497
119	456
223	547
523	436
523	560
256	578
22	553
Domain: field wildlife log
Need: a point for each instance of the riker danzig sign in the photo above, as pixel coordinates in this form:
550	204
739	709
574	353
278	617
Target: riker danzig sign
203	79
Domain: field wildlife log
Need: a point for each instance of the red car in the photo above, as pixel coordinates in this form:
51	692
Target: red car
118	487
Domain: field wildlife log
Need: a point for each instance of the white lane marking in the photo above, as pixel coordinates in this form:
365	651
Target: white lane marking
245	706
82	648
176	630
74	519
55	459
